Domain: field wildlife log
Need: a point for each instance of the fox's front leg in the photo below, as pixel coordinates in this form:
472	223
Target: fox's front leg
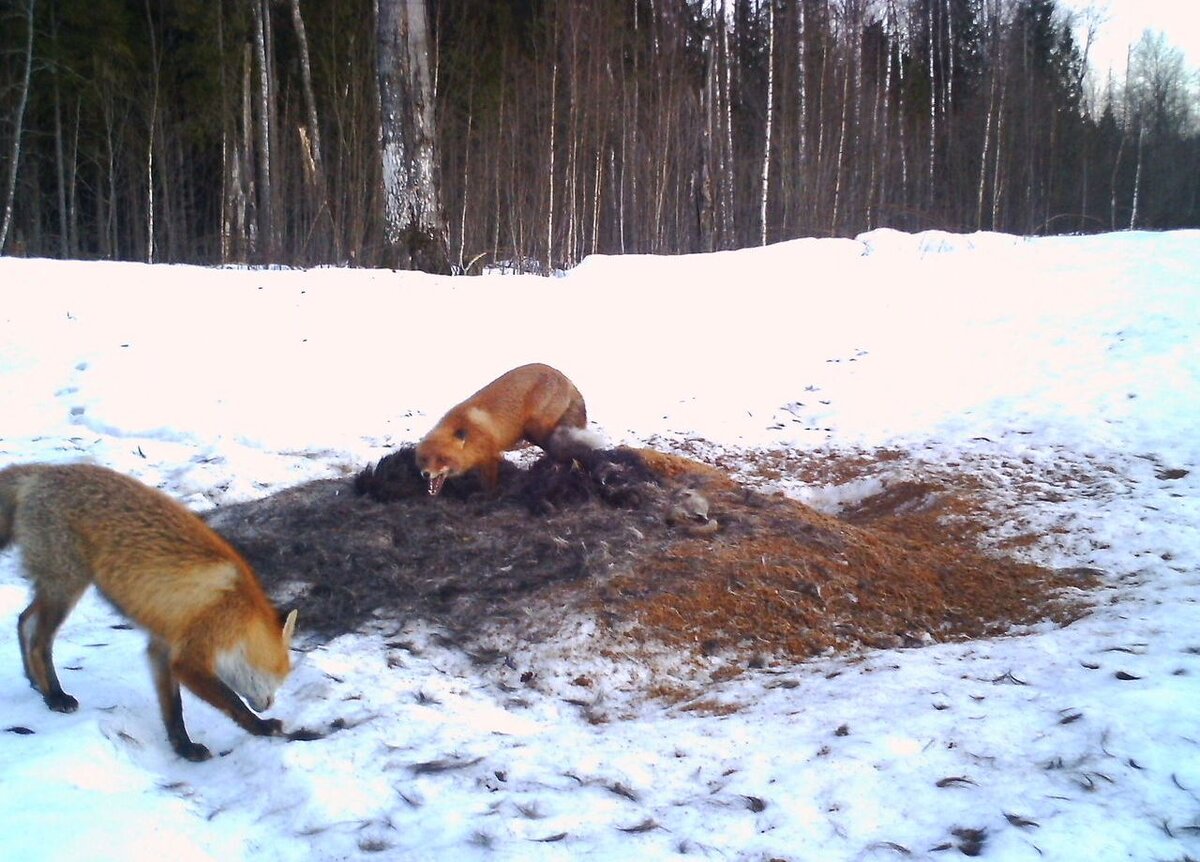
171	705
489	472
208	688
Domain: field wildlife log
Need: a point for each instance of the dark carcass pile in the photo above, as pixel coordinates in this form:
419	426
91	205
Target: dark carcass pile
377	546
657	547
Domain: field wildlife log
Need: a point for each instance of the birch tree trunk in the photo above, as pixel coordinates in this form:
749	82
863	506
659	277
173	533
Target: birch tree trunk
992	38
550	172
1137	176
901	104
155	61
246	186
770	112
931	178
266	200
729	206
840	158
1121	145
415	235
802	63
18	124
998	175
705	216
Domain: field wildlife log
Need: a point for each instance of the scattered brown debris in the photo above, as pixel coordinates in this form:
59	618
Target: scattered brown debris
900	568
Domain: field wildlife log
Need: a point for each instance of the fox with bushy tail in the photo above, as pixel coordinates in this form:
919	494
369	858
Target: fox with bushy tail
211	626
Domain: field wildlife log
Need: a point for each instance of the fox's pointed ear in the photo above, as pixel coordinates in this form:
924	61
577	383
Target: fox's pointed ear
289	626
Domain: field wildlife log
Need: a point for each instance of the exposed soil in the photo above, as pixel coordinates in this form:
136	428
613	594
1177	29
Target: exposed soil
661	548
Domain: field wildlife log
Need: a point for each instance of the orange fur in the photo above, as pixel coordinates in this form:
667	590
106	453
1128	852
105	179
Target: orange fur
528	403
211	626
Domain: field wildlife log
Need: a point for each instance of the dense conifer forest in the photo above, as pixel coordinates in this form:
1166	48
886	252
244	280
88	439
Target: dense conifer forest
225	131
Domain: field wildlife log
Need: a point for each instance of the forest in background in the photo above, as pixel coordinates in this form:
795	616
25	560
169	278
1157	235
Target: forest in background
228	131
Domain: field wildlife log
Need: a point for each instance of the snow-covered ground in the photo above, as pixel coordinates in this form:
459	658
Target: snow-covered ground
1064	372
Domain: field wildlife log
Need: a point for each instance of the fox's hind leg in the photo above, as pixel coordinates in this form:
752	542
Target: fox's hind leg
36	627
59	578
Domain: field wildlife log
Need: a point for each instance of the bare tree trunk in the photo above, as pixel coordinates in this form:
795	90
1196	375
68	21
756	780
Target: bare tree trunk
822	97
998	176
315	162
226	145
59	156
876	143
550	170
630	156
993	34
983	158
247	186
153	126
852	61
415	234
310	102
110	242
596	196
572	245
729	208
901	118
1137	176
879	194
931	178
18	125
705	217
496	206
466	192
624	172
73	186
802	54
150	186
60	175
1112	213
770	112
948	74
266	214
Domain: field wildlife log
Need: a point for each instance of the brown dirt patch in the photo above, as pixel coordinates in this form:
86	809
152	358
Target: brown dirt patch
900	568
622	535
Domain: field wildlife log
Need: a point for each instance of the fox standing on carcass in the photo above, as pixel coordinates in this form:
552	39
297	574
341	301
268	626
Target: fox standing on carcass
533	402
211	626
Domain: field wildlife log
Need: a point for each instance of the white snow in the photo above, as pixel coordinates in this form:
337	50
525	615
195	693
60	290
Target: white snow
1074	358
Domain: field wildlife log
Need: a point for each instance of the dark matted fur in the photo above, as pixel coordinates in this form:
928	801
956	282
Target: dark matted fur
618	477
397	477
379	547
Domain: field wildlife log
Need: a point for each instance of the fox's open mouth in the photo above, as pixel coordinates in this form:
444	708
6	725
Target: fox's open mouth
436	481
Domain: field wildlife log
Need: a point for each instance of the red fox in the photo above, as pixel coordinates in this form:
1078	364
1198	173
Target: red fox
211	626
533	402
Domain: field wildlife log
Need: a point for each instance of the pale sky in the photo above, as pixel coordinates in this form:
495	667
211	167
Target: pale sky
1125	20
